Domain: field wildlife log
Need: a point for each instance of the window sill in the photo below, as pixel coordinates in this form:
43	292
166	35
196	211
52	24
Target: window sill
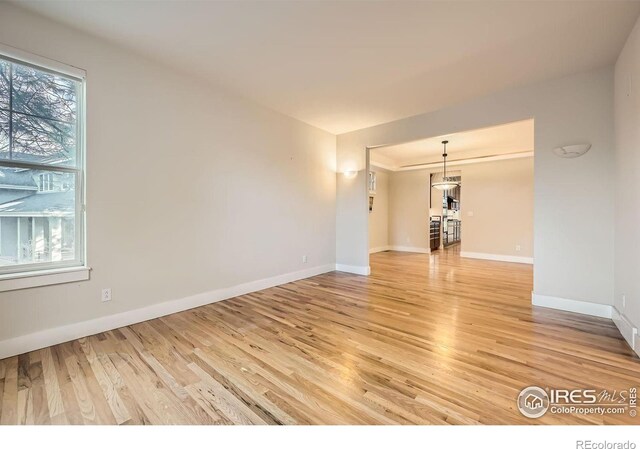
42	278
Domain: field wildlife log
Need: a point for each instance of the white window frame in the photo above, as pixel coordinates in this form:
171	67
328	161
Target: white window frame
38	274
45	179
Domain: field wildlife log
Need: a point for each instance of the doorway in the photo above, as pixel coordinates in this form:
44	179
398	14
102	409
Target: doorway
445	221
415	208
451	220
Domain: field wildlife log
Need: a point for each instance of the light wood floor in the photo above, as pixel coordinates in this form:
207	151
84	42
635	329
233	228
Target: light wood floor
425	339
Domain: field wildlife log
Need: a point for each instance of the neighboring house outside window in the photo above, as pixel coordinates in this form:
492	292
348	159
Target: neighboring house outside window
41	168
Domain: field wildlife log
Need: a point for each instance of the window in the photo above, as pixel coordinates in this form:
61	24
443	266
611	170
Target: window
41	166
46	182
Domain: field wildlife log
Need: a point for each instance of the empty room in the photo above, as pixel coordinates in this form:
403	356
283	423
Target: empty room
403	214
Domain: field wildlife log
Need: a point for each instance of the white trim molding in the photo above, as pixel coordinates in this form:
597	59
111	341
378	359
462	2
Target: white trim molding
497	257
18	281
388	163
355	269
410	249
49	337
627	329
404	249
41	61
383	166
572	305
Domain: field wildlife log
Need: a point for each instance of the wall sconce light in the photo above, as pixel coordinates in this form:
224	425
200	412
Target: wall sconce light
571	151
350	173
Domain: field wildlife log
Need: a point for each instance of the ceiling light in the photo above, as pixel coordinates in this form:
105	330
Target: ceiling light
446	183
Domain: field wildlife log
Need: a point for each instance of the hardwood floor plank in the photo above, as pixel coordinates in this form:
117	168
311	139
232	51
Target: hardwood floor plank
38	399
52	388
234	409
147	397
426	339
119	411
103	413
83	397
1	396
10	393
205	401
23	395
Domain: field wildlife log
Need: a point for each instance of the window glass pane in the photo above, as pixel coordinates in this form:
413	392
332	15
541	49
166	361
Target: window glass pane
4	84
36	226
4	134
43	94
43	141
38	125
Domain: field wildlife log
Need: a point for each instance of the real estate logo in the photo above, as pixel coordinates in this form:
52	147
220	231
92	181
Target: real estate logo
533	402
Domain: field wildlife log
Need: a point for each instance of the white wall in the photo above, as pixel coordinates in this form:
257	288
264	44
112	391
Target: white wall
379	216
190	189
500	196
499	193
573	198
627	211
409	209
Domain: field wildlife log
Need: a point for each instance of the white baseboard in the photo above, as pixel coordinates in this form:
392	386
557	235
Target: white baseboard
571	305
379	249
497	257
49	337
410	249
627	329
406	249
355	269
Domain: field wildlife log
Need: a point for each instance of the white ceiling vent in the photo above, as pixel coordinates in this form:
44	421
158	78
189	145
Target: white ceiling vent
571	151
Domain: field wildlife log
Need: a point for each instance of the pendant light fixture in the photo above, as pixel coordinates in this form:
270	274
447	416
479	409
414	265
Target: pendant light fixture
446	183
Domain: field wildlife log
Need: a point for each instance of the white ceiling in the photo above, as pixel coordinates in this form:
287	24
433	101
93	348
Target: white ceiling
510	138
344	65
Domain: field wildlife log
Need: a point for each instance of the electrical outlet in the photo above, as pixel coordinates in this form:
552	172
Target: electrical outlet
624	301
106	295
304	259
518	248
470	213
